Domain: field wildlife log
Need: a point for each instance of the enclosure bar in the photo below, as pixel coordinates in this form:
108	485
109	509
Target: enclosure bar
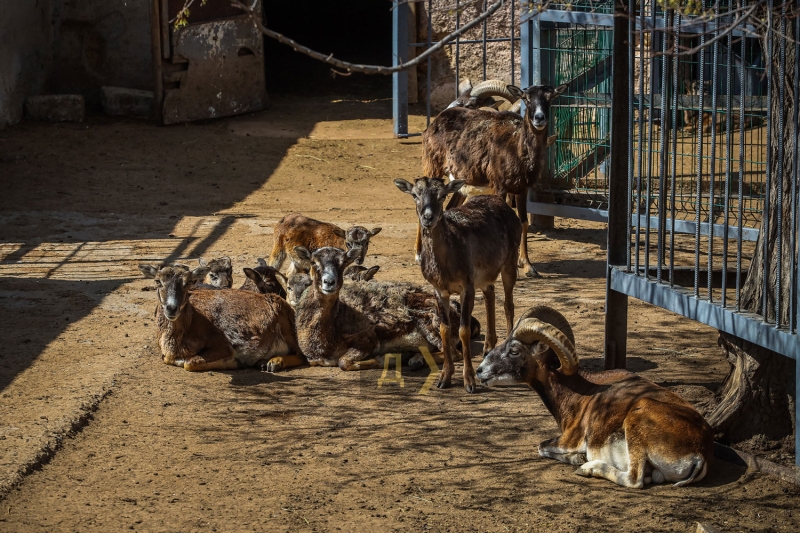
662	192
747	326
428	85
603	19
795	261
728	155
796	226
673	130
649	174
399	56
458	47
739	208
713	151
629	160
779	181
639	140
699	190
512	41
485	23
768	174
619	199
687	227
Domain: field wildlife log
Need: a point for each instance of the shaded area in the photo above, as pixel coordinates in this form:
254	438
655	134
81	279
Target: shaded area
357	32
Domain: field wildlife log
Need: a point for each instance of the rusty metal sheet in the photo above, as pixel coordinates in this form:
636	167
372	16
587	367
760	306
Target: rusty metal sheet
224	71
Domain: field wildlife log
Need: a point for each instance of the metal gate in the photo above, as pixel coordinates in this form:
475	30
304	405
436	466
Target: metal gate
692	151
682	173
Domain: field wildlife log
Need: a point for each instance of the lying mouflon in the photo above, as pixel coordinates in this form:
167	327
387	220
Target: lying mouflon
349	324
203	329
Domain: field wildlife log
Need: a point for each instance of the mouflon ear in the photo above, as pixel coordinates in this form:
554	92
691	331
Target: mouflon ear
370	273
198	274
515	91
149	271
453	186
252	274
339	232
302	253
558	91
404	185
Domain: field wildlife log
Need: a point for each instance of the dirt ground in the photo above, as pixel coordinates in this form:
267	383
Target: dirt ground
96	434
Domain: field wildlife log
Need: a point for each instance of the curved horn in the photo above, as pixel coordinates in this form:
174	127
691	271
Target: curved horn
545	313
532	329
517	107
492	88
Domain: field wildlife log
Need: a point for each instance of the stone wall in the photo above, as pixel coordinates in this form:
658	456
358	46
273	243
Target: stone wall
71	46
101	42
498	55
26	39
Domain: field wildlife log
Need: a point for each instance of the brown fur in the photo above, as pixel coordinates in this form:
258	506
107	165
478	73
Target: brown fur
220	274
501	152
264	279
347	325
462	250
596	410
221	329
295	230
360	273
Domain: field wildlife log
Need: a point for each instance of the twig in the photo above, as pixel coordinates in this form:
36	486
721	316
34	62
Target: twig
366	69
312	157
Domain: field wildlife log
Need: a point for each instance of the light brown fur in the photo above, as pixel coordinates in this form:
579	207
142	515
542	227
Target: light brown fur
221	329
614	424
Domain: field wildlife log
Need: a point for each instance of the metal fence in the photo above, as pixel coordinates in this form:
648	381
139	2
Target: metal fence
686	174
476	42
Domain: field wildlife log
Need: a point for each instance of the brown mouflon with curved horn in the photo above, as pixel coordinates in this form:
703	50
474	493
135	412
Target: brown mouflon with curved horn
494	153
614	424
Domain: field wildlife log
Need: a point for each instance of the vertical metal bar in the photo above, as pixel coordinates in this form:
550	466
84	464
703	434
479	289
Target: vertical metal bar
662	192
674	132
485	23
712	155
796	227
795	261
699	190
513	26
428	69
728	155
458	47
639	140
619	220
740	183
768	177
631	58
650	120
779	176
399	56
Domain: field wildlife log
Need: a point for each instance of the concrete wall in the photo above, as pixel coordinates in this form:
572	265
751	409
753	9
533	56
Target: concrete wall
26	38
101	42
71	46
498	55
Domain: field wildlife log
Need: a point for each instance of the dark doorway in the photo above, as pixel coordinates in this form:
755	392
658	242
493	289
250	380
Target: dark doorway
358	31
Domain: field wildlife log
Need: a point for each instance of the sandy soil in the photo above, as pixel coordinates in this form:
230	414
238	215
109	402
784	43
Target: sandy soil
96	434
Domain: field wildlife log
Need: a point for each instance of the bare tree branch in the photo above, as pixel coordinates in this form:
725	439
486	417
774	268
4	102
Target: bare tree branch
367	69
